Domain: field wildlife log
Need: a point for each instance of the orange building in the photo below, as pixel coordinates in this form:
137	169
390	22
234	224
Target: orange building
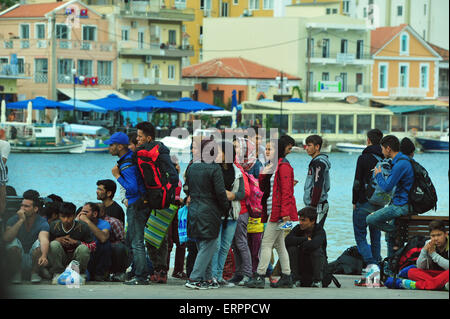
215	80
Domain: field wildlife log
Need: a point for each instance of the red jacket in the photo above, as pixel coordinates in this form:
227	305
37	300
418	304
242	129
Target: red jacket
283	200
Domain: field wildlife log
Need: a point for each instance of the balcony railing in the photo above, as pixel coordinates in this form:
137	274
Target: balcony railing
156	49
350	89
60	44
40	77
152	9
408	93
340	57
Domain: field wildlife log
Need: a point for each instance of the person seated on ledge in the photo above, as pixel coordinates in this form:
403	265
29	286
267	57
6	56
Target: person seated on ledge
306	245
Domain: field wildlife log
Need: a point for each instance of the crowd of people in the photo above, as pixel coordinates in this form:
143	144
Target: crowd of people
45	235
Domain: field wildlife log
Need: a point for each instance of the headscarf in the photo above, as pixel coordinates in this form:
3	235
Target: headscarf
246	153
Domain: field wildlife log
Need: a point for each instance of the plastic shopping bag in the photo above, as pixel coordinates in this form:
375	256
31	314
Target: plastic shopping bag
71	276
182	224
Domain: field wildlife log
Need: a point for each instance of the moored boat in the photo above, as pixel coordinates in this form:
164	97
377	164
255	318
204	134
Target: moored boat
434	145
350	147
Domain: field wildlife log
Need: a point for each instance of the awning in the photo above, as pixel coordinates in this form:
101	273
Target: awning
407	106
88	94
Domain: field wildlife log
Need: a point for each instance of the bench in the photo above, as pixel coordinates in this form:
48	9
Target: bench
410	226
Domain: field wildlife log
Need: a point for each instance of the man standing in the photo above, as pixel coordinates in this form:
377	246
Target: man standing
146	140
5	149
402	178
307	245
27	238
361	206
128	176
106	189
317	183
100	261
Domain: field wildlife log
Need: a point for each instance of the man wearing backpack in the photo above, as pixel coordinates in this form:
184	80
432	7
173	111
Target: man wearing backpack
402	178
128	176
361	205
168	178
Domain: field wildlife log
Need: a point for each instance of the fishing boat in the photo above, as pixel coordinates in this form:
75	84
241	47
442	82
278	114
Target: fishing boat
350	147
434	145
89	135
40	138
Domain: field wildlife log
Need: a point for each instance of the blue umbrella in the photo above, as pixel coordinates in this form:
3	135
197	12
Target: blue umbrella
39	103
151	104
114	103
85	106
187	105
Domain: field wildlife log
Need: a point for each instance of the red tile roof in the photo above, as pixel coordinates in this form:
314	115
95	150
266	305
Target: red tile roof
380	36
441	51
233	68
32	10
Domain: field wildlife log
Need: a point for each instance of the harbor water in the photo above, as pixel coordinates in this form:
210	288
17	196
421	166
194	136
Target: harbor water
74	177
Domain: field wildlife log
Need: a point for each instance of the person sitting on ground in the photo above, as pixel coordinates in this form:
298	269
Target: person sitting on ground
407	147
100	261
70	239
106	188
432	270
27	240
307	245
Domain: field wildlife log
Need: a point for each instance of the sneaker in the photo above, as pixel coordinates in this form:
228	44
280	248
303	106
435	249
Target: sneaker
408	284
119	277
284	282
244	280
45	274
236	279
180	275
17	278
136	281
162	278
213	284
155	277
226	284
257	281
35	278
297	283
285	225
200	285
316	284
446	286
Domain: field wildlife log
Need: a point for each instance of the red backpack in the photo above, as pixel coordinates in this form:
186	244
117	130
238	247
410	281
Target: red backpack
159	192
253	201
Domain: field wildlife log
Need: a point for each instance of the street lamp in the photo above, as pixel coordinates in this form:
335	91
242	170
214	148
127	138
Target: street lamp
81	78
280	81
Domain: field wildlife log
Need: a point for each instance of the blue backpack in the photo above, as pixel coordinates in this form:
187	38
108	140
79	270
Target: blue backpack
374	193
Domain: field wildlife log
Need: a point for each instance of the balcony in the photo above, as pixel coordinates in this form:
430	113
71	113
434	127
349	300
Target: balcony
408	93
160	50
154	84
63	44
320	57
153	10
340	92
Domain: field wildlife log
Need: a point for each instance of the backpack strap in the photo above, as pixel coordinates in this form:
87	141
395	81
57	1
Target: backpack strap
379	159
129	162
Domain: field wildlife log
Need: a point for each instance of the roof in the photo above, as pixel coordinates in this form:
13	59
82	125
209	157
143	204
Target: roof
87	94
31	10
233	68
388	102
442	52
380	36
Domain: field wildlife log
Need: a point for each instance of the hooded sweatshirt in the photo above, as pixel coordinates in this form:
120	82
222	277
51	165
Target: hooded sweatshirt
317	183
363	174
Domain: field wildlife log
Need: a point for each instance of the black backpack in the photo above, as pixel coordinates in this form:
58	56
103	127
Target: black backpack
350	262
422	196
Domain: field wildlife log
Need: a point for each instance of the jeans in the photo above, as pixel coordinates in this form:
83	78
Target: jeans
224	241
243	258
136	220
384	219
100	261
17	258
203	265
370	253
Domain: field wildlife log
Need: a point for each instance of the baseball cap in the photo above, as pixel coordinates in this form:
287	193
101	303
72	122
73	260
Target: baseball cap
118	138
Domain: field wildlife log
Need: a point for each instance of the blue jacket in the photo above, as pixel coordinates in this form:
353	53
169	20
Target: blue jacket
130	178
402	178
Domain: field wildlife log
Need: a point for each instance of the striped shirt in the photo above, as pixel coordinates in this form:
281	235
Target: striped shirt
269	199
3	173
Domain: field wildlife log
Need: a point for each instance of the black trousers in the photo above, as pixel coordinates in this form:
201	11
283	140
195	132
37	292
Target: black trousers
100	261
307	267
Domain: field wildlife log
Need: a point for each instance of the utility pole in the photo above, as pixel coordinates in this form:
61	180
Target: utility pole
53	58
308	80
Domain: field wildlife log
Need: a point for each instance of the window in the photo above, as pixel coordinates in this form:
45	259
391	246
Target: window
104	72
180	4
425	9
171	72
399	11
424	76
404	76
311	81
20	65
41	70
360	49
346	6
268	4
253	4
65	69
344	46
363	123
89	33
335	11
304	123
224	9
125	34
127	71
382	123
62	31
328	123
172	37
85	68
205	4
235	2
343	77
383	76
346	124
24	31
365	12
155	34
325	76
40	31
404	43
398	123
310	46
325	48
328	11
156	74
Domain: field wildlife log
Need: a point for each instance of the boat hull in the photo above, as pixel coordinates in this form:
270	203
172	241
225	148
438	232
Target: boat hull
432	145
350	148
74	148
